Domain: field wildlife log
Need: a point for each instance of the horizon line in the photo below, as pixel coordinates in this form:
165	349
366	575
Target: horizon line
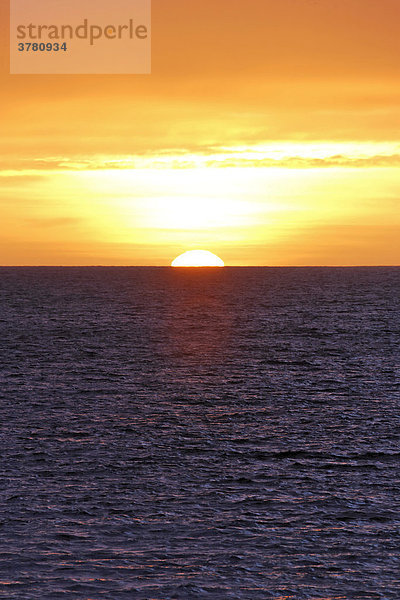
100	266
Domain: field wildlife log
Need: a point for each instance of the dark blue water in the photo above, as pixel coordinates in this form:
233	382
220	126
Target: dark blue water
213	433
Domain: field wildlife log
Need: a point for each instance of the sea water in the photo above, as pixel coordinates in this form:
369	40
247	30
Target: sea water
199	433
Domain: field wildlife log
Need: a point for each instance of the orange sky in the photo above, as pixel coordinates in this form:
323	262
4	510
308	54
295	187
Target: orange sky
267	133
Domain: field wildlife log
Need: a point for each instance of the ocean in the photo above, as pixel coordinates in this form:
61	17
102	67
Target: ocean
199	433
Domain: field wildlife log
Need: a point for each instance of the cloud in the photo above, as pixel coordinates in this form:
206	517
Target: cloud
54	222
25	170
299	162
20	178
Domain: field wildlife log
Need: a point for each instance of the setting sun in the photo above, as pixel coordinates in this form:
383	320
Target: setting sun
197	258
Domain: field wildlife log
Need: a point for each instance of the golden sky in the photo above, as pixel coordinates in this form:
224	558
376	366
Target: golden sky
268	133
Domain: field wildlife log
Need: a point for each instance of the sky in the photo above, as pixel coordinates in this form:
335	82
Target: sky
267	133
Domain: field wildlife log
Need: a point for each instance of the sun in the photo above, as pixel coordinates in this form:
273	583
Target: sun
197	258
